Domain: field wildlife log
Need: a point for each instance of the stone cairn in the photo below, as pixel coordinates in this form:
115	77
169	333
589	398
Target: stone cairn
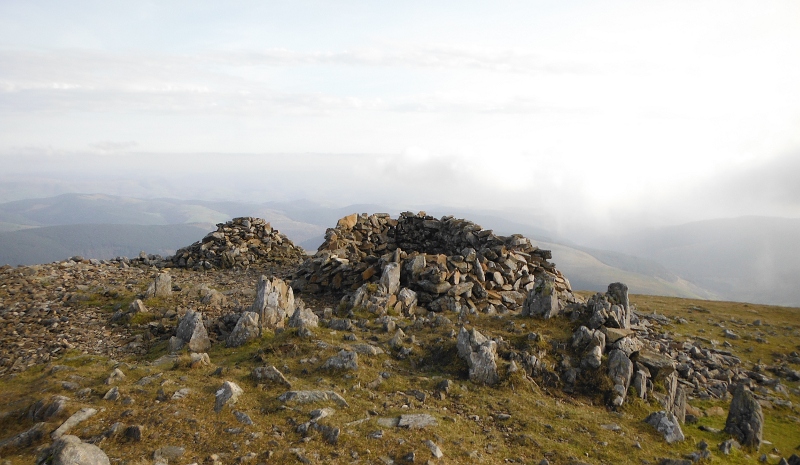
418	260
239	243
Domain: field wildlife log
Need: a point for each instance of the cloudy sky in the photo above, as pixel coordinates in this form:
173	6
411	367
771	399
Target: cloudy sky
603	113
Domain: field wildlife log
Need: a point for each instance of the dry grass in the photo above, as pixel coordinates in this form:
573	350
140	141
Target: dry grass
543	422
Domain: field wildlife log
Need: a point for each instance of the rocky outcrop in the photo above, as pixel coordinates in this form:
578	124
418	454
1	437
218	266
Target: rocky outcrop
451	264
745	420
239	243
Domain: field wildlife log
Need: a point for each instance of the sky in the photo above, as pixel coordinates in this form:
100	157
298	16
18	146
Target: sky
613	114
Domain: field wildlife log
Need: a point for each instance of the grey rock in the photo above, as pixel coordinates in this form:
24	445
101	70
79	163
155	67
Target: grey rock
618	294
593	357
344	360
243	417
620	370
70	450
116	375
307	397
390	279
416	421
660	366
45	410
726	447
137	306
192	331
227	395
246	329
181	394
23	439
169	453
542	301
270	373
745	420
76	418
112	394
303	318
212	297
274	301
666	424
469	341
434	448
341	324
367	349
197	360
161	287
483	364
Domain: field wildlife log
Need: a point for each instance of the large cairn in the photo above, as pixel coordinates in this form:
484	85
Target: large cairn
239	243
418	260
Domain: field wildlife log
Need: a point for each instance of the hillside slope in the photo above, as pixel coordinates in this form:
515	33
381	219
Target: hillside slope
749	259
102	241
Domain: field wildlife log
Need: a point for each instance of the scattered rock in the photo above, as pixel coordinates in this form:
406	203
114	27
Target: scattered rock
192	331
246	329
270	373
306	397
161	287
227	395
416	421
344	360
666	424
70	450
435	450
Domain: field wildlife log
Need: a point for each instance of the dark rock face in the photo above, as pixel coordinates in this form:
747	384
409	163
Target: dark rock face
745	419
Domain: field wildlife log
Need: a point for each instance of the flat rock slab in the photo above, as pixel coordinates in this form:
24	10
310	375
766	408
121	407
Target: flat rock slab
388	422
77	417
416	421
307	397
615	334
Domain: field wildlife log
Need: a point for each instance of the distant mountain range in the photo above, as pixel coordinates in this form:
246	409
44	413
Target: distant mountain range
746	259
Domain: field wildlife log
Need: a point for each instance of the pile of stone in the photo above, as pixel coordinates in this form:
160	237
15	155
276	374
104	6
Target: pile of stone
443	264
239	243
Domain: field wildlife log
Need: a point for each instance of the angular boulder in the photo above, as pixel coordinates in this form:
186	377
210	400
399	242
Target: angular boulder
745	420
246	329
228	394
666	424
542	301
192	331
70	450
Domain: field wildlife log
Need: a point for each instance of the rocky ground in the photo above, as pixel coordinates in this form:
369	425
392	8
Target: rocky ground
150	363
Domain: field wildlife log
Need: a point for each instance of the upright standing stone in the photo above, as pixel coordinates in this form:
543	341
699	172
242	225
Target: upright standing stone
390	279
618	294
192	331
246	329
161	287
274	302
745	419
